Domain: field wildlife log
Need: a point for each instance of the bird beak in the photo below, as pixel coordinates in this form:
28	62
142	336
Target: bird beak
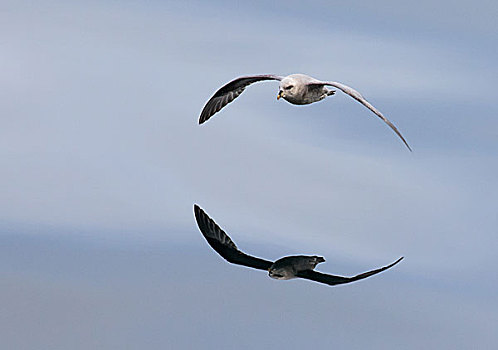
279	95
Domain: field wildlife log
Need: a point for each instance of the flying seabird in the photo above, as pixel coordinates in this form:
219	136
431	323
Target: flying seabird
298	89
283	269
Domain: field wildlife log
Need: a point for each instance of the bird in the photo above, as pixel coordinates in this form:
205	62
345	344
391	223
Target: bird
298	89
289	267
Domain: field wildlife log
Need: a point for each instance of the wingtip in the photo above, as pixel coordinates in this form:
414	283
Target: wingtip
393	263
197	211
403	139
204	116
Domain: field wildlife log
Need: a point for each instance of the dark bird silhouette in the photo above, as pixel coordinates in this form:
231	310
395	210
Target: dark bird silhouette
299	266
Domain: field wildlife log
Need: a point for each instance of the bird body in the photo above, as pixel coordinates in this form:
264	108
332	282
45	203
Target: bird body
298	89
288	267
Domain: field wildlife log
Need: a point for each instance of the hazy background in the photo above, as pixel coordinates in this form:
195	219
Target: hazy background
101	161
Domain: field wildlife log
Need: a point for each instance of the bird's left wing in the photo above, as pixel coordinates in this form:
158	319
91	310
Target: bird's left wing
223	245
333	280
358	97
230	92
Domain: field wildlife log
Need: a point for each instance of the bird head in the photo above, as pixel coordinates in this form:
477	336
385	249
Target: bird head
275	274
287	88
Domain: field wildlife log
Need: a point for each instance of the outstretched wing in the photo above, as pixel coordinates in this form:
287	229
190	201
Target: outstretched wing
223	245
357	96
230	92
333	280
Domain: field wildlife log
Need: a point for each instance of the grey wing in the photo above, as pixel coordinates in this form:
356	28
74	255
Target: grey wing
358	97
230	92
333	280
223	245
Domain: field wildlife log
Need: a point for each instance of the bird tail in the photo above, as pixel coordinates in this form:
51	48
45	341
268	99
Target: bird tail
330	92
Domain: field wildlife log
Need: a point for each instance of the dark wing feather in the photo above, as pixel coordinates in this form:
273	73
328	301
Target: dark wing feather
230	92
333	280
358	97
223	245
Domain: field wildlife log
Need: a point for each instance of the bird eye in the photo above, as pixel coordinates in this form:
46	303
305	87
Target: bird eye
289	87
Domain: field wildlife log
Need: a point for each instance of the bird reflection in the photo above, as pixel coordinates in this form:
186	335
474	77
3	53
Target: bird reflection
299	266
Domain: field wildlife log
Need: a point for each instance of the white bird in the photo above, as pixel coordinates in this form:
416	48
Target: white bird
298	89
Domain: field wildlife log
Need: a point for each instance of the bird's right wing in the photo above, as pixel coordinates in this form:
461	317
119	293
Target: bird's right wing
223	245
333	280
230	92
358	97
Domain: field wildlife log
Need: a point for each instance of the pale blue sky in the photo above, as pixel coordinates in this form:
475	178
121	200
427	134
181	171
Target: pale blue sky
102	160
